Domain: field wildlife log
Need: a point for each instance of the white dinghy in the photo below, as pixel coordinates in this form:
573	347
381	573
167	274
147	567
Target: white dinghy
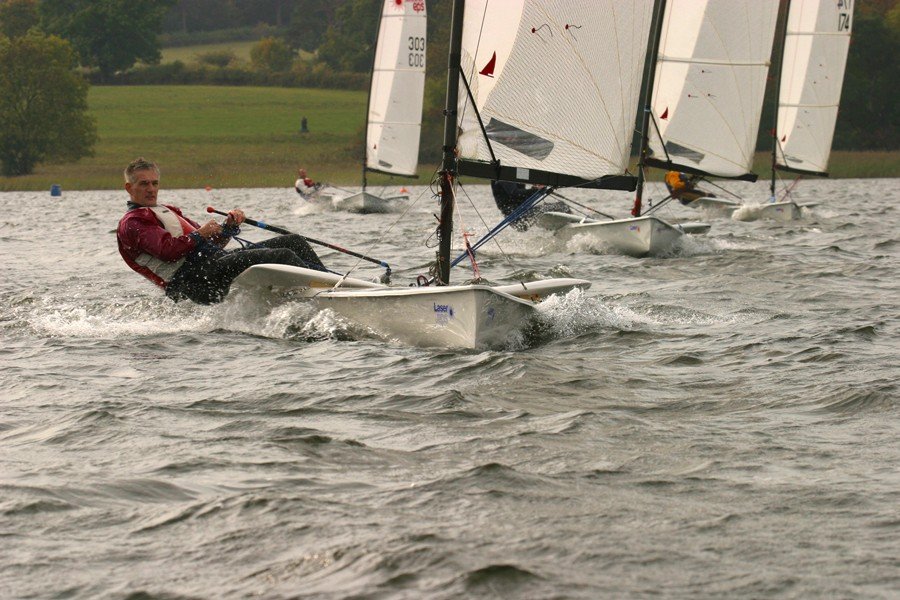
558	102
813	60
671	61
708	91
641	236
505	70
394	117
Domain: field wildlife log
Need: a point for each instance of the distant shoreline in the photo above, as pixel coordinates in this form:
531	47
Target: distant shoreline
844	165
245	137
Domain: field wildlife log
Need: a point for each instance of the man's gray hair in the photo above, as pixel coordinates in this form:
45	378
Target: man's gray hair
139	164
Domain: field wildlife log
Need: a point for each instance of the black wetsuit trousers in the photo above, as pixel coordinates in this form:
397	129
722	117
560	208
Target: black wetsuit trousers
207	279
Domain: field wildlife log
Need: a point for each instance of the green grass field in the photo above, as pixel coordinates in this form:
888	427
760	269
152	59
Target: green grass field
216	136
249	137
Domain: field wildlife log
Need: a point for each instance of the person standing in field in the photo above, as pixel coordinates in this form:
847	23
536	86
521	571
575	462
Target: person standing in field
186	259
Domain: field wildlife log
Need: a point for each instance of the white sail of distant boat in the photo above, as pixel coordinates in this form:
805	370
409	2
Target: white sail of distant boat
710	82
816	44
532	66
394	114
678	47
555	85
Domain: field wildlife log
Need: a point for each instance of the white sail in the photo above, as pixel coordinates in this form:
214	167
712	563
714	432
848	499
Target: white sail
812	75
398	85
556	82
710	83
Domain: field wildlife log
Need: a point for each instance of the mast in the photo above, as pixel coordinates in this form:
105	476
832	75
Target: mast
777	101
653	51
365	157
448	164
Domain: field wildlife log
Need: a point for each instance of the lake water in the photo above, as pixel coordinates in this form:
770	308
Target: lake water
720	423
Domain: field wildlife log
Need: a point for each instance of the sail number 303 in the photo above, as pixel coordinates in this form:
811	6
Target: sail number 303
416	51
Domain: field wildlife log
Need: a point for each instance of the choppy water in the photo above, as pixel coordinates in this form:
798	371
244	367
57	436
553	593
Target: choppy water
719	423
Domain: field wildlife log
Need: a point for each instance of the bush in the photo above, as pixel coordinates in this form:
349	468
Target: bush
43	104
271	54
217	58
239	34
302	74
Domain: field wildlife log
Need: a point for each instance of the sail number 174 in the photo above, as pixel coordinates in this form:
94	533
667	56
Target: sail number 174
846	9
416	51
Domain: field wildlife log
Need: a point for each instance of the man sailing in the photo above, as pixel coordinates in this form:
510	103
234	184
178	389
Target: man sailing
681	187
186	259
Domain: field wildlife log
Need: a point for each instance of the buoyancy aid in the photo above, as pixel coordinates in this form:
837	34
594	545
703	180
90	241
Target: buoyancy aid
675	182
177	226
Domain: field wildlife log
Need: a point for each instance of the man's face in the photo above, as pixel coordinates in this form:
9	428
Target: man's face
145	187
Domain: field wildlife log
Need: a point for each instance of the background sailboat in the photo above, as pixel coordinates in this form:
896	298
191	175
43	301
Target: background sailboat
394	117
814	57
585	133
520	76
689	38
708	92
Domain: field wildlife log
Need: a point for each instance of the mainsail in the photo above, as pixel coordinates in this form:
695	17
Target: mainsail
556	85
398	84
709	85
812	74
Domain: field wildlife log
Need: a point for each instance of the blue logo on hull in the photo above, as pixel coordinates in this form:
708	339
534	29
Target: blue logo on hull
442	313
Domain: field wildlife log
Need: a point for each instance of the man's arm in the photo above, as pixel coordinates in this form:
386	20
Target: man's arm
153	239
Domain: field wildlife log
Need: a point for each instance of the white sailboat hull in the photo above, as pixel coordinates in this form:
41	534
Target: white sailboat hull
640	236
323	196
467	316
366	203
459	316
781	211
715	207
299	282
776	211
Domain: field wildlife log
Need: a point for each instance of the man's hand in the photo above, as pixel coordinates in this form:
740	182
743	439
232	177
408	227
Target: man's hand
210	229
235	217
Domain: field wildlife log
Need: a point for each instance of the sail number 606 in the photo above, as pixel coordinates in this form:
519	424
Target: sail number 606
416	51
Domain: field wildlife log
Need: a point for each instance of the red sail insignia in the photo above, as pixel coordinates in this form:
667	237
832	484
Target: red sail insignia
488	69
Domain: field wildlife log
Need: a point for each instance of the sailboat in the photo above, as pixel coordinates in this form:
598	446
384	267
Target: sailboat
394	113
705	80
709	89
519	76
814	57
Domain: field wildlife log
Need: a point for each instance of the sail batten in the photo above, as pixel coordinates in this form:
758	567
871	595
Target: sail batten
816	43
556	83
713	61
394	119
707	97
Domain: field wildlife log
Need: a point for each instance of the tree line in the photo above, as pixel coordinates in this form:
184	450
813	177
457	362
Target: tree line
48	47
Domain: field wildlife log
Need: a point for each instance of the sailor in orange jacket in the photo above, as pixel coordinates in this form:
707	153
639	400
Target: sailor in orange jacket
681	187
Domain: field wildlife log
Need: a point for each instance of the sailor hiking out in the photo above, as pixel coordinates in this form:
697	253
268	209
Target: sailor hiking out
186	259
